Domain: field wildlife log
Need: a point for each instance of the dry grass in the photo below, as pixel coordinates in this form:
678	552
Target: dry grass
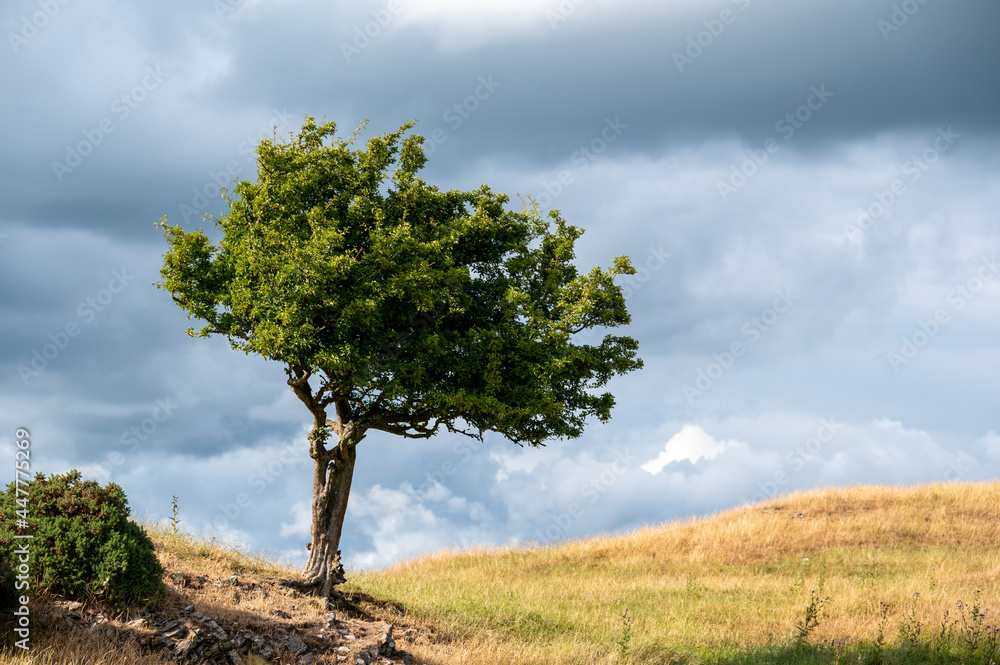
739	579
723	589
69	649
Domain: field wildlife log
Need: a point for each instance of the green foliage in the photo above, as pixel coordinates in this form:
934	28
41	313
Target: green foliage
811	618
174	519
415	309
83	545
877	652
625	639
909	627
7	595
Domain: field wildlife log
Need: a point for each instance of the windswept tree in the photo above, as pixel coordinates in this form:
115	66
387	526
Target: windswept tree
399	308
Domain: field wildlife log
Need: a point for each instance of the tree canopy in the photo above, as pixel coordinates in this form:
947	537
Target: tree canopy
413	309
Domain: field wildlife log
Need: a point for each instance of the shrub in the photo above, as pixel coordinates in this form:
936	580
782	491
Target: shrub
7	595
84	544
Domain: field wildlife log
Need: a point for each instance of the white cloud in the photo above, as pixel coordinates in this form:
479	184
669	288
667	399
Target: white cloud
524	461
990	445
691	443
301	514
405	522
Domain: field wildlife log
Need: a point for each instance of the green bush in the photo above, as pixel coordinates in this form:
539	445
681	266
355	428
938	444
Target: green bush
7	595
84	544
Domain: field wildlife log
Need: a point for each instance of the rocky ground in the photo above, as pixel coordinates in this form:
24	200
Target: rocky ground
245	620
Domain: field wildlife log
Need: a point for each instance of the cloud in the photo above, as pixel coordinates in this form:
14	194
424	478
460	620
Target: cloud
301	523
404	522
692	443
869	212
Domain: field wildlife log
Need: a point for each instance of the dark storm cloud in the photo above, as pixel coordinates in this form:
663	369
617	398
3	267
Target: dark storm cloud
557	83
729	148
223	74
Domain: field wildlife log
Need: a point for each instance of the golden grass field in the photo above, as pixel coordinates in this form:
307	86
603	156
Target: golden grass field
886	562
705	590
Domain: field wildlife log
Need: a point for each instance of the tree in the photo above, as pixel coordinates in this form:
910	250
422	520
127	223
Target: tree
399	308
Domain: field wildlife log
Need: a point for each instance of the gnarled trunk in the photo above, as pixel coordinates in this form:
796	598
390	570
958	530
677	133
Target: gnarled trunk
331	489
333	470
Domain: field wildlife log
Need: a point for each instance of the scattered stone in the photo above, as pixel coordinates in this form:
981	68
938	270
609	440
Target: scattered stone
185	646
180	579
250	643
204	640
189	637
386	645
296	645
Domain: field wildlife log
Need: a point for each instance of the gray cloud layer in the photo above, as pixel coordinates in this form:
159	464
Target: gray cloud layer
814	184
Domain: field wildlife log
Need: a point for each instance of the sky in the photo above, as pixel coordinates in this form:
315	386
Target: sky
809	192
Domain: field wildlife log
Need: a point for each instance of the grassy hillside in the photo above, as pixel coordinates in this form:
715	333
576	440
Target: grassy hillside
861	575
735	587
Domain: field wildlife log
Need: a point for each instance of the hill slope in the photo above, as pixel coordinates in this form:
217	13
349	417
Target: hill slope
737	585
858	575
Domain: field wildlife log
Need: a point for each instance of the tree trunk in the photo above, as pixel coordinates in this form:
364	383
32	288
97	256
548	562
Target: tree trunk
332	473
